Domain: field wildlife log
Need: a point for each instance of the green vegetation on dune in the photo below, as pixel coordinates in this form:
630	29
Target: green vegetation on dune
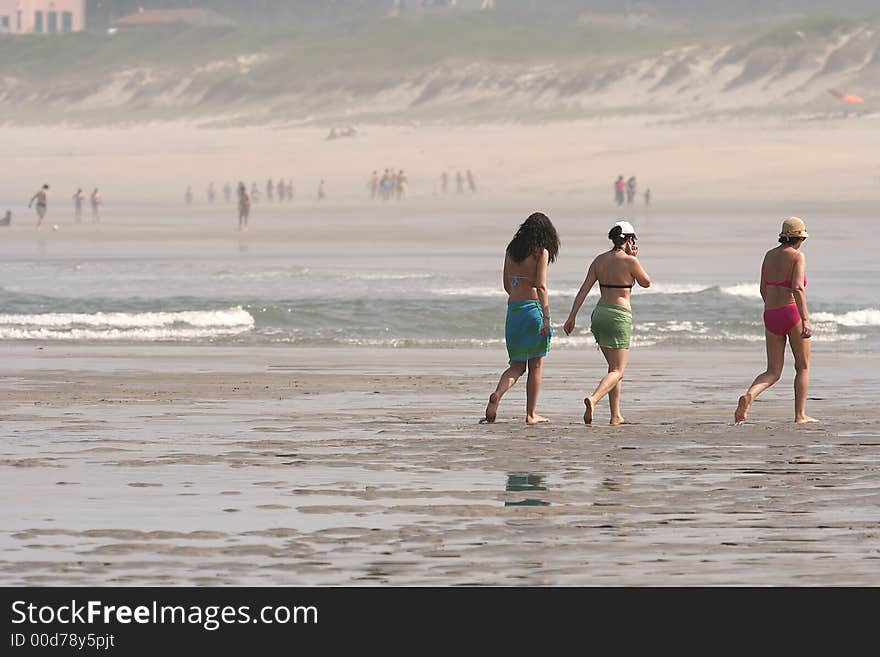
468	65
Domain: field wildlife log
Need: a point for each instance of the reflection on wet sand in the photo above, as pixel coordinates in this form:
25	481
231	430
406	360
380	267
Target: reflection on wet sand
526	481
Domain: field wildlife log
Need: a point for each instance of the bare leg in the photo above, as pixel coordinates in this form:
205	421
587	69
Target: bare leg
800	348
533	387
617	360
614	405
511	375
775	361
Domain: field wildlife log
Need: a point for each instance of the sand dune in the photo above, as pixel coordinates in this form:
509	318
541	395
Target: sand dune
778	70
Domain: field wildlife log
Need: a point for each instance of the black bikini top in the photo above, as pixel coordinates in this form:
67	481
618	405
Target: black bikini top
628	287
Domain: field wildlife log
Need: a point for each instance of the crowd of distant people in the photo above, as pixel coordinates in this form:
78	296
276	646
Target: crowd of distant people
625	191
460	181
40	202
392	184
282	191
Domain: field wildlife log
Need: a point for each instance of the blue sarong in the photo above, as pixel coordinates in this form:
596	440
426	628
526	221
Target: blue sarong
522	331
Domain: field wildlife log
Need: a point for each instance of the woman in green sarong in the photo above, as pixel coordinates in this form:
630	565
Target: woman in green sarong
616	271
527	327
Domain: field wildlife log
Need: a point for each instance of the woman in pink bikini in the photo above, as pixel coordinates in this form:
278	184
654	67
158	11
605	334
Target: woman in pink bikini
783	288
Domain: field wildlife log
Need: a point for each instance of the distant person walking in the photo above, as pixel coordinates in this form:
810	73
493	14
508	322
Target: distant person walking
459	183
227	193
188	196
96	201
616	271
40	201
291	191
472	184
385	184
783	288
270	191
78	200
631	186
619	191
281	190
244	206
373	185
212	194
255	193
444	183
321	193
527	329
648	197
402	185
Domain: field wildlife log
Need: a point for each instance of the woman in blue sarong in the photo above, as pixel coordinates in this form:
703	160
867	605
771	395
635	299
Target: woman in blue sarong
527	329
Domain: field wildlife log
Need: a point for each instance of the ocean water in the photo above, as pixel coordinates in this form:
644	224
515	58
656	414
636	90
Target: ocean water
351	288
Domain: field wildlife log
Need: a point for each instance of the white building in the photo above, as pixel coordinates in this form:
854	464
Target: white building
42	16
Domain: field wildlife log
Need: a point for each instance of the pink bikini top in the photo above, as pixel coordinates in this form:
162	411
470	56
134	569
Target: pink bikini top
784	283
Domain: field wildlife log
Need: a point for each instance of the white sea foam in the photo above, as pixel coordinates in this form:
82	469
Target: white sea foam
748	290
674	288
865	317
485	291
132	334
231	318
473	291
138	327
837	337
378	276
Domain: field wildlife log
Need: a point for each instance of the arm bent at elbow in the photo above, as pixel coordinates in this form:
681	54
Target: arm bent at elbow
641	275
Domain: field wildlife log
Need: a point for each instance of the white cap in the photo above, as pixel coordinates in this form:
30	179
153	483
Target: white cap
626	228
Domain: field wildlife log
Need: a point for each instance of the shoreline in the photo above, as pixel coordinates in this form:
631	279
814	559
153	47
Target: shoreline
164	465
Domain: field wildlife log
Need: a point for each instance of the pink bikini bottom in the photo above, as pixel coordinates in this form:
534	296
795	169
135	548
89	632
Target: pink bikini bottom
781	320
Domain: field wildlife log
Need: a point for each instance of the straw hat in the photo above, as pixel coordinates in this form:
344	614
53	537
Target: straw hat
793	227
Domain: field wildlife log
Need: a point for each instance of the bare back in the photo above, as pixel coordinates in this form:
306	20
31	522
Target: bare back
782	264
615	268
521	278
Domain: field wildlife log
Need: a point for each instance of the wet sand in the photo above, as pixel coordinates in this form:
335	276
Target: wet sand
174	465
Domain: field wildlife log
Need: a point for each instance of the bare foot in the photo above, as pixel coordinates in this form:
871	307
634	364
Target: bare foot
491	409
742	409
536	419
588	414
806	419
616	421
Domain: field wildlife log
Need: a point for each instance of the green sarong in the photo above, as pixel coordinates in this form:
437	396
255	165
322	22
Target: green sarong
611	325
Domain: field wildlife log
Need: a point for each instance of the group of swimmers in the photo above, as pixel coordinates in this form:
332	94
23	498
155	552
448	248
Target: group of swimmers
459	182
95	200
282	191
393	184
528	331
625	190
40	202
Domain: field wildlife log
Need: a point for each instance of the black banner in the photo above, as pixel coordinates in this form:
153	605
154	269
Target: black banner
156	621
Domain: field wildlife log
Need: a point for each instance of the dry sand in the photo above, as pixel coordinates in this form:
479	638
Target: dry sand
171	465
744	163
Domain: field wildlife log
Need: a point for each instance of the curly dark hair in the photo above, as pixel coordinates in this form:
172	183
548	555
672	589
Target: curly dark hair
534	235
